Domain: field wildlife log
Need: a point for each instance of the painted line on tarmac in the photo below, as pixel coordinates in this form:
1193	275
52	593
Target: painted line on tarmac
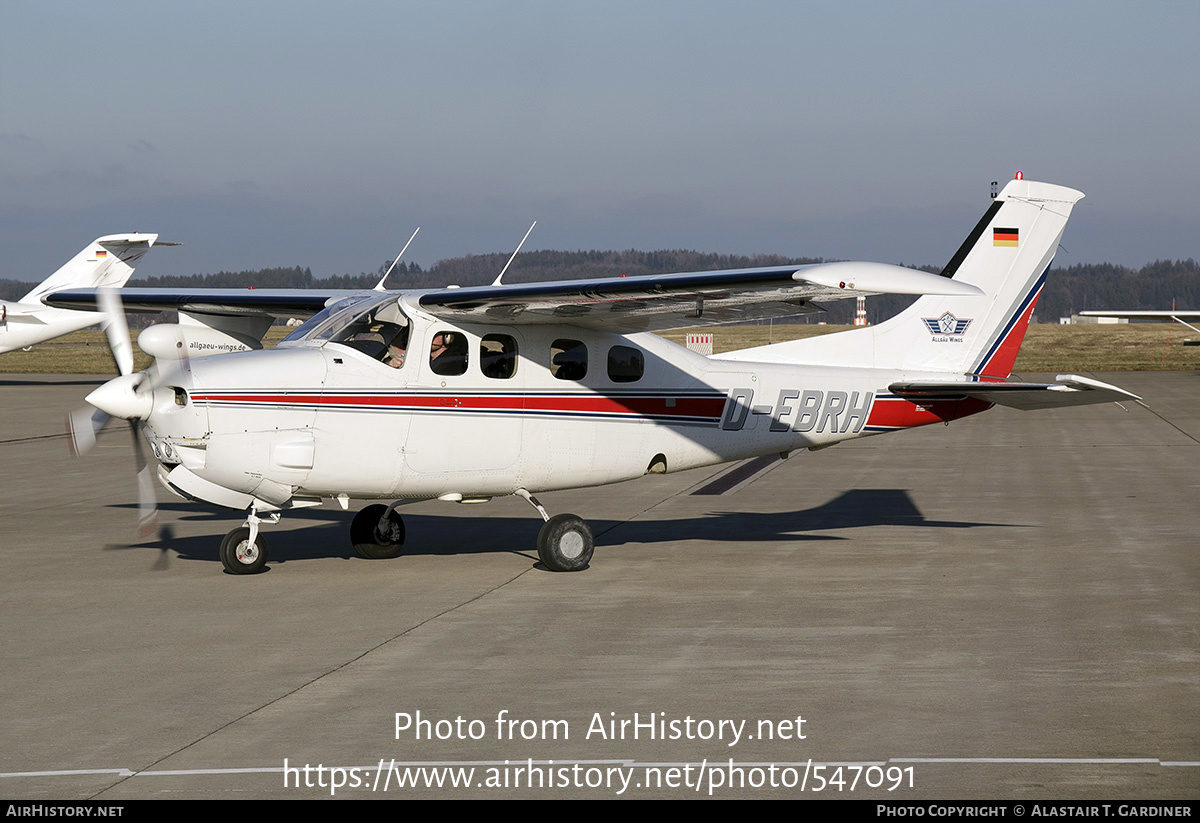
1044	761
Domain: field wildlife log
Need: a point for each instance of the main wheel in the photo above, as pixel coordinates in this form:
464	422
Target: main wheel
240	556
565	543
376	540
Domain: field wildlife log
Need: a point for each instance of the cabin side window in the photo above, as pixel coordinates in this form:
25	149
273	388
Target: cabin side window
568	359
498	356
625	364
448	353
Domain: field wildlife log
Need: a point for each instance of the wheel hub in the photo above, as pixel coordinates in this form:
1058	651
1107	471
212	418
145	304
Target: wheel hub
571	545
247	552
387	533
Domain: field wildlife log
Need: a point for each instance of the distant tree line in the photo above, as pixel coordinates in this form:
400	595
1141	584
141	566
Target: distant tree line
1068	291
1096	286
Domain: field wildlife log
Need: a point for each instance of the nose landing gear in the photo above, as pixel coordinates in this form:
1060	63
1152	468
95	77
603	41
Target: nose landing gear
244	550
241	555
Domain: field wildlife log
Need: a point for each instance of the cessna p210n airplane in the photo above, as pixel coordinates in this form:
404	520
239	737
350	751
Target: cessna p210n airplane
105	262
464	394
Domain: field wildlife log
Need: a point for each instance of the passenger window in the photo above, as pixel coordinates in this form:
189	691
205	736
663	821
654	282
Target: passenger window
448	353
625	364
568	359
498	356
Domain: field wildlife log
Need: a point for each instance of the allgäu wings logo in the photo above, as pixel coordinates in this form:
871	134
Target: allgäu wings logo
947	324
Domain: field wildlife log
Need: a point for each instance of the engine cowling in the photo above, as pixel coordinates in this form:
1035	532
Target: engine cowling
174	341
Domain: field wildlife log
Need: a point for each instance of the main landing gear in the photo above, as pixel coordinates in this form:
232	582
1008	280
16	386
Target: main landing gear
565	542
377	532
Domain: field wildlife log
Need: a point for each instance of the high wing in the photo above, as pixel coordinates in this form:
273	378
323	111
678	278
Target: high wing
1070	390
618	304
654	302
276	302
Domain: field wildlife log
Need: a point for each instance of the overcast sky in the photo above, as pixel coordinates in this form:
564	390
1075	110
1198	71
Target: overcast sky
321	134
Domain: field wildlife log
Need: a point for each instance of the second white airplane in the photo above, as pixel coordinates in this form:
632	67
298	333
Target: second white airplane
106	262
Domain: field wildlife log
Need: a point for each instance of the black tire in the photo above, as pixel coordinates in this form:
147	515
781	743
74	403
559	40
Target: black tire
239	557
565	543
365	538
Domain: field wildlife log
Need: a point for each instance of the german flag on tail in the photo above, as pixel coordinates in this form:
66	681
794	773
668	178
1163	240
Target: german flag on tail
1004	237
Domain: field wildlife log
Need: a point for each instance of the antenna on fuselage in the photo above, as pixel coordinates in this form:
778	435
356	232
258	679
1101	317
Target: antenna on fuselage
379	285
497	282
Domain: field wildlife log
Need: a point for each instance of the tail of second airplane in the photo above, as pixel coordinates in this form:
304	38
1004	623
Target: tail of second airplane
106	261
1006	256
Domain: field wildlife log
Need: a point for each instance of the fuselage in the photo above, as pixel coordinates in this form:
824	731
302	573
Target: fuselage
534	407
25	325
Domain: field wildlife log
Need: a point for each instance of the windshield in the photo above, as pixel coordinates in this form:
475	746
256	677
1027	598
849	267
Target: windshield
336	317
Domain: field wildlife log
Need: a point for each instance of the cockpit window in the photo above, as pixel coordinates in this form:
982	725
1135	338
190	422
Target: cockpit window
374	326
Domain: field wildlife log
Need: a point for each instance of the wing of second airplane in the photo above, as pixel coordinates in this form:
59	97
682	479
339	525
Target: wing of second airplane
1070	390
655	302
1161	316
277	302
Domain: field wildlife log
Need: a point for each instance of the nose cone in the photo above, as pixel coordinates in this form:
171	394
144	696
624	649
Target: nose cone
120	397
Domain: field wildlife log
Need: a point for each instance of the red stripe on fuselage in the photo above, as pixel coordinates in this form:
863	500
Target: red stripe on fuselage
695	407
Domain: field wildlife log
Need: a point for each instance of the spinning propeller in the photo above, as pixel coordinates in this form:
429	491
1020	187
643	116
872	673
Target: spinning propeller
130	395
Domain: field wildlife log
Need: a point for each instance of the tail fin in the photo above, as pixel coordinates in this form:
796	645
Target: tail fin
1006	255
106	261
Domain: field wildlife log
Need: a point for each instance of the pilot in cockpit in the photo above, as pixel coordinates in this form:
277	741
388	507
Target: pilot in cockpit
382	335
397	349
397	344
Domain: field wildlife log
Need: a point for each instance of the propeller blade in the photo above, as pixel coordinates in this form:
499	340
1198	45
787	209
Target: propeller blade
147	499
128	396
116	329
83	425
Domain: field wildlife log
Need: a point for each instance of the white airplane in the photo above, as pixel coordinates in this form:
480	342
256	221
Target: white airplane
105	262
1172	316
464	394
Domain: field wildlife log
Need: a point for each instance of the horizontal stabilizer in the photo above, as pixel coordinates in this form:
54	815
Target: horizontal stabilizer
1070	390
21	313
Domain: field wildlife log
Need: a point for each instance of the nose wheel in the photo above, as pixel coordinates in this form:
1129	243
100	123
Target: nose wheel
377	532
243	554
